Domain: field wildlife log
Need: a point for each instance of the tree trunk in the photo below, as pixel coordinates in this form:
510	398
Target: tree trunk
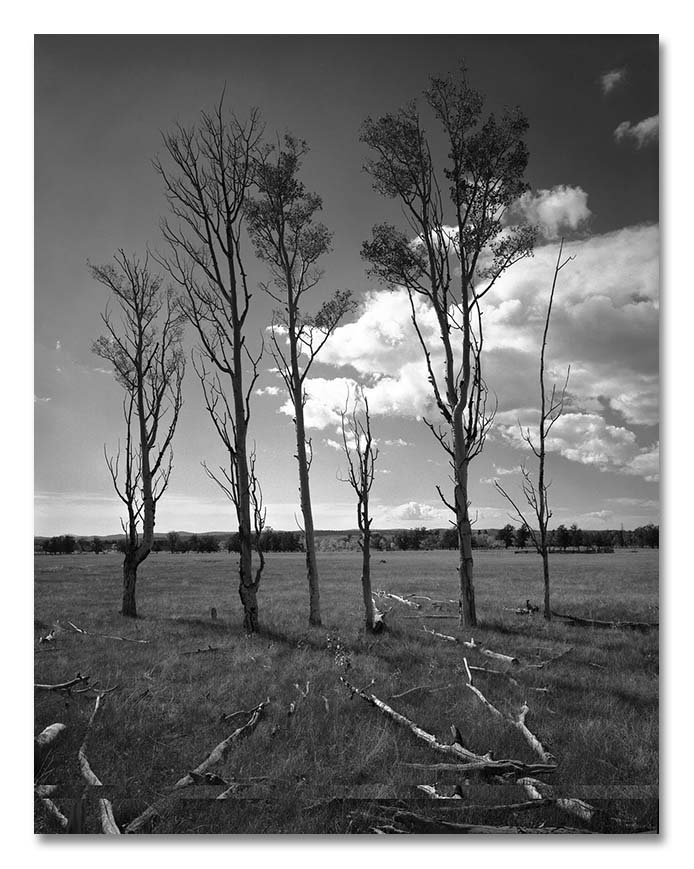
366	581
129	607
314	617
467	610
545	574
249	601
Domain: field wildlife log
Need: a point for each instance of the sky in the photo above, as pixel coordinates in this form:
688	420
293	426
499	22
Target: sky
593	105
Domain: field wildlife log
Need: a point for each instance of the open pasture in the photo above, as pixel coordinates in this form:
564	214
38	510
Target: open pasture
314	742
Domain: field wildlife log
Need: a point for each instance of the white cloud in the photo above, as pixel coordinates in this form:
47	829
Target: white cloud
643	133
610	80
586	438
397	442
559	209
268	390
40	399
415	511
58	345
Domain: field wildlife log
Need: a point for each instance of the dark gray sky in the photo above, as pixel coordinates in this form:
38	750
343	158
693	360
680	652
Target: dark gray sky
592	103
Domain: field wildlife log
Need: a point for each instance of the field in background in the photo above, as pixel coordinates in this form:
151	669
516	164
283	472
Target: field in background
599	718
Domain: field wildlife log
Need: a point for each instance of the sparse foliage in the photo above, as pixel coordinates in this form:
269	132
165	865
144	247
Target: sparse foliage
451	267
536	495
288	239
144	347
361	453
207	182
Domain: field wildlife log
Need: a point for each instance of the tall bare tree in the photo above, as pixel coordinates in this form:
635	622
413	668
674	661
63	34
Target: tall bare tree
207	182
361	453
536	496
451	255
290	242
144	347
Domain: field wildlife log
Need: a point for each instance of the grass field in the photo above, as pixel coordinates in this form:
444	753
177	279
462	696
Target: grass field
599	717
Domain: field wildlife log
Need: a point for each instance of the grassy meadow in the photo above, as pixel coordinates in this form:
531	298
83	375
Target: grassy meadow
599	716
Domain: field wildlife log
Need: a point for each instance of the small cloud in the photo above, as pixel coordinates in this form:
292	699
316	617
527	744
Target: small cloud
601	515
383	471
102	370
554	210
503	472
643	133
397	442
268	390
416	511
58	345
40	399
612	79
334	445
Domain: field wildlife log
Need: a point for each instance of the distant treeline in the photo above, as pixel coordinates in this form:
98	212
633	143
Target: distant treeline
560	539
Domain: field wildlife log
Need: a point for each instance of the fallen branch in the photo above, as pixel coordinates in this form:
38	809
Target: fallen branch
108	822
47	739
398	598
418	688
104	636
599	623
200	772
220	751
63	686
518	723
440	636
586	812
532	740
542	664
483	650
420	824
533	804
55	812
455	749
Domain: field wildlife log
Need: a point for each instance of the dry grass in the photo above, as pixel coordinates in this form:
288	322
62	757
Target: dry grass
599	718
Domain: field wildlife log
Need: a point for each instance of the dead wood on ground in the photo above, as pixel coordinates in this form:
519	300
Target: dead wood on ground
63	686
599	623
108	822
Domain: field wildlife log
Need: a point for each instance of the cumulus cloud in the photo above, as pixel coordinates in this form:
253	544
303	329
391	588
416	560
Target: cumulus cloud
557	210
588	439
58	345
610	80
268	390
642	133
397	442
415	511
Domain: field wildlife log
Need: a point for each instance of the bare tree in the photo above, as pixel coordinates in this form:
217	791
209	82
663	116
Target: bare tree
207	185
144	347
451	265
551	409
361	453
290	242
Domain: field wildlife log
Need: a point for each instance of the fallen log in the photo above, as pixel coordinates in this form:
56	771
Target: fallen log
200	772
220	751
63	686
419	688
108	822
416	823
398	598
532	804
483	650
54	812
518	723
447	637
86	633
455	749
589	814
48	737
599	623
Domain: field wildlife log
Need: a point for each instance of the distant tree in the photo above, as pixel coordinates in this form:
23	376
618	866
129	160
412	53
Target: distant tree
207	181
522	534
536	496
449	538
576	535
281	222
144	347
506	535
562	537
361	453
173	541
97	545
